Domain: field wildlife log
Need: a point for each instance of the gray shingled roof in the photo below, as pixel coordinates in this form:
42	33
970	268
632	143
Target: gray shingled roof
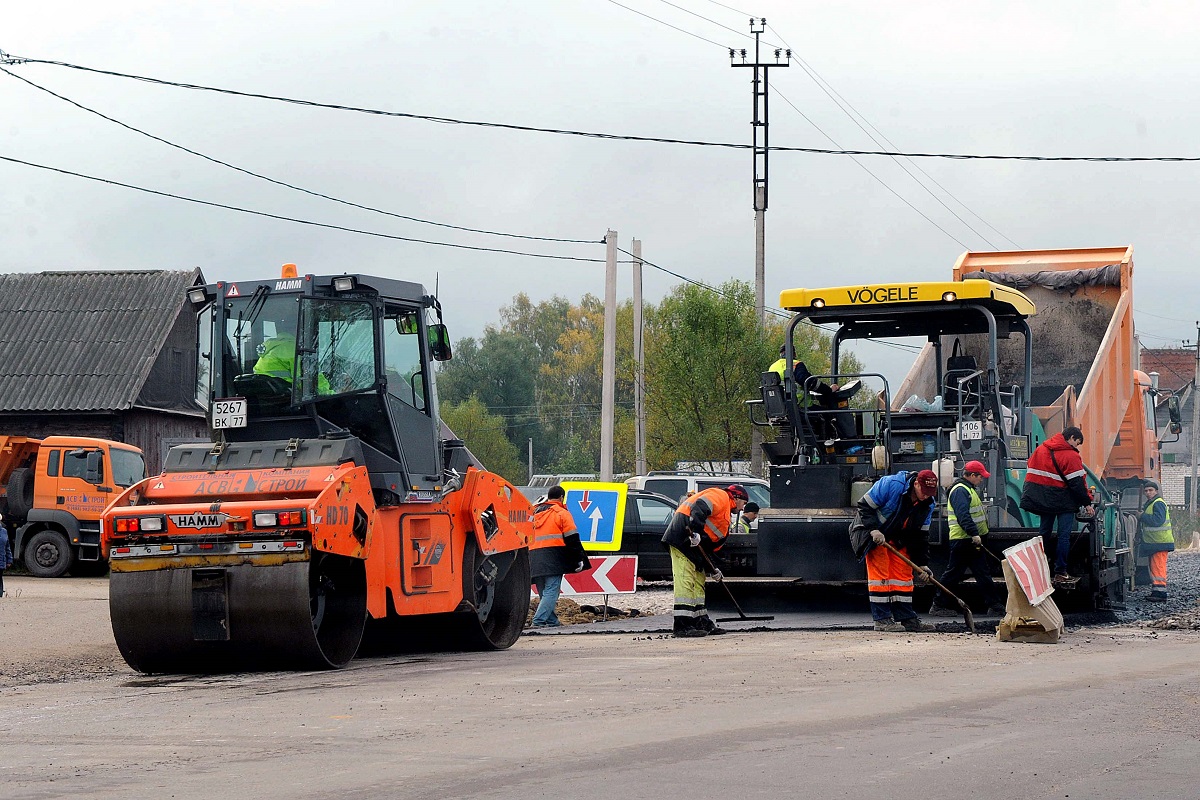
84	341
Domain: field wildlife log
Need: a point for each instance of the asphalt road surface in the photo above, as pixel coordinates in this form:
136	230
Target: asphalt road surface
1109	712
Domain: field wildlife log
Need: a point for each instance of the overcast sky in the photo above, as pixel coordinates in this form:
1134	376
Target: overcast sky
1065	78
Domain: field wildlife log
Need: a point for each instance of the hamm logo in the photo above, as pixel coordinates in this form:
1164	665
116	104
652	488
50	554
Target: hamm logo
295	284
198	520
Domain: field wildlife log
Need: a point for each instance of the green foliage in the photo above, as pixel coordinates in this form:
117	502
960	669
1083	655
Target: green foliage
484	436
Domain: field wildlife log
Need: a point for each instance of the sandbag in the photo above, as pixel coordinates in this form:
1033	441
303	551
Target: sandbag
1025	622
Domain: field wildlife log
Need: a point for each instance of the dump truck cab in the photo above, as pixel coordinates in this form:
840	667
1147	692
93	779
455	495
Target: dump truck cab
53	491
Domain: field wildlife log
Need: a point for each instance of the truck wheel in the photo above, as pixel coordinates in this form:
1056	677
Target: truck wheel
20	492
47	554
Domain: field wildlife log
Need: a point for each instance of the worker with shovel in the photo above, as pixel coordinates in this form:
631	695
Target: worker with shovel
698	527
895	511
968	526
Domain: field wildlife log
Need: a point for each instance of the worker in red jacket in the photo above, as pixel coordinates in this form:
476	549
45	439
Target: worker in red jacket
1056	489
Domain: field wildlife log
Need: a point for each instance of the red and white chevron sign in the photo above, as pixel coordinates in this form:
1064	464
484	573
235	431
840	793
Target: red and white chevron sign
608	575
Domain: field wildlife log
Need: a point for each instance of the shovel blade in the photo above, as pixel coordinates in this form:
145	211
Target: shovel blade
744	619
968	616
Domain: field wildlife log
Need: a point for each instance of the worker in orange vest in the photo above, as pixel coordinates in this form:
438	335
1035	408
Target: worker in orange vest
698	528
556	550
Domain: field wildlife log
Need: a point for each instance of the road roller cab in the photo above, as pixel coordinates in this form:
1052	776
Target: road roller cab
329	497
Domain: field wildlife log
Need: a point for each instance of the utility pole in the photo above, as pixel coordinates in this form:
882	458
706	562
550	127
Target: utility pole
609	377
761	151
531	461
1194	433
639	386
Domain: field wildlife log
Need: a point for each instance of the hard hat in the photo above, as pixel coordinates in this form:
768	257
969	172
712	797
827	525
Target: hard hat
977	467
737	492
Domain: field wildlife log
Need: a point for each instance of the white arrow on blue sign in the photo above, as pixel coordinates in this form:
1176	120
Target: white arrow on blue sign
599	513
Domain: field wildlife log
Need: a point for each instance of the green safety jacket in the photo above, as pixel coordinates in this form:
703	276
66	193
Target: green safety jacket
1157	533
977	513
278	357
805	400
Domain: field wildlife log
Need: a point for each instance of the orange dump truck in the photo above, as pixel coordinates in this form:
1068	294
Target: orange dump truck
53	491
1085	354
330	504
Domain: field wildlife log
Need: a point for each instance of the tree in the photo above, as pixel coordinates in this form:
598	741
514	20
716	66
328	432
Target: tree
484	436
704	354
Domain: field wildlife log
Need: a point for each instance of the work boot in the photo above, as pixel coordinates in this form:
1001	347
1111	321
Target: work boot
706	624
1158	597
889	626
1065	580
688	629
942	611
916	626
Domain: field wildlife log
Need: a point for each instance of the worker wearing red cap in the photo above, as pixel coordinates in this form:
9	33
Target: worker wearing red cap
897	509
697	529
968	526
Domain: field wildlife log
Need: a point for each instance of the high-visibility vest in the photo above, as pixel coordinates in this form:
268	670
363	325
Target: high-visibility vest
978	513
717	524
1161	534
804	399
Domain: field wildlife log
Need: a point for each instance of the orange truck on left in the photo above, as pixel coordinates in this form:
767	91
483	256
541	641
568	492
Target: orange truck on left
52	493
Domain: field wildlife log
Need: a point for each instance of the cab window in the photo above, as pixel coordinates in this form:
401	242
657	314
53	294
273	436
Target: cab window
674	488
75	465
653	512
52	463
402	358
337	347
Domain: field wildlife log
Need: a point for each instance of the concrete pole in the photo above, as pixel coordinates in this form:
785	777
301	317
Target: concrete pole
1194	433
760	312
639	385
609	376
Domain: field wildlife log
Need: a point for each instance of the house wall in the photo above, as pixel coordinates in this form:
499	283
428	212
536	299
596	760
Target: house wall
155	432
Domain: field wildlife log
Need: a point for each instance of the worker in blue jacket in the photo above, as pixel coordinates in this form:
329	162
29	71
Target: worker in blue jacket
897	510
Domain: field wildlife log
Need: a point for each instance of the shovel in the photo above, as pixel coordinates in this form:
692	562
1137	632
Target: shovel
965	608
741	617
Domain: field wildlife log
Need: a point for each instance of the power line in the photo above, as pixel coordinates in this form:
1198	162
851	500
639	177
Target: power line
819	80
595	134
882	182
842	105
294	219
284	183
669	25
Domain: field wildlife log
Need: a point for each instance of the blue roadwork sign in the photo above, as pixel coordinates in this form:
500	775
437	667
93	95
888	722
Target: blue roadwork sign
599	513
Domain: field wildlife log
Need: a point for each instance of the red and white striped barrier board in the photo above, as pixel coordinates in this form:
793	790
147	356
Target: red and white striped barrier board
1028	562
608	575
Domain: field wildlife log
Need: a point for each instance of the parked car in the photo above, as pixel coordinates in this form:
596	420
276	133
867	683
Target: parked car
678	485
646	518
